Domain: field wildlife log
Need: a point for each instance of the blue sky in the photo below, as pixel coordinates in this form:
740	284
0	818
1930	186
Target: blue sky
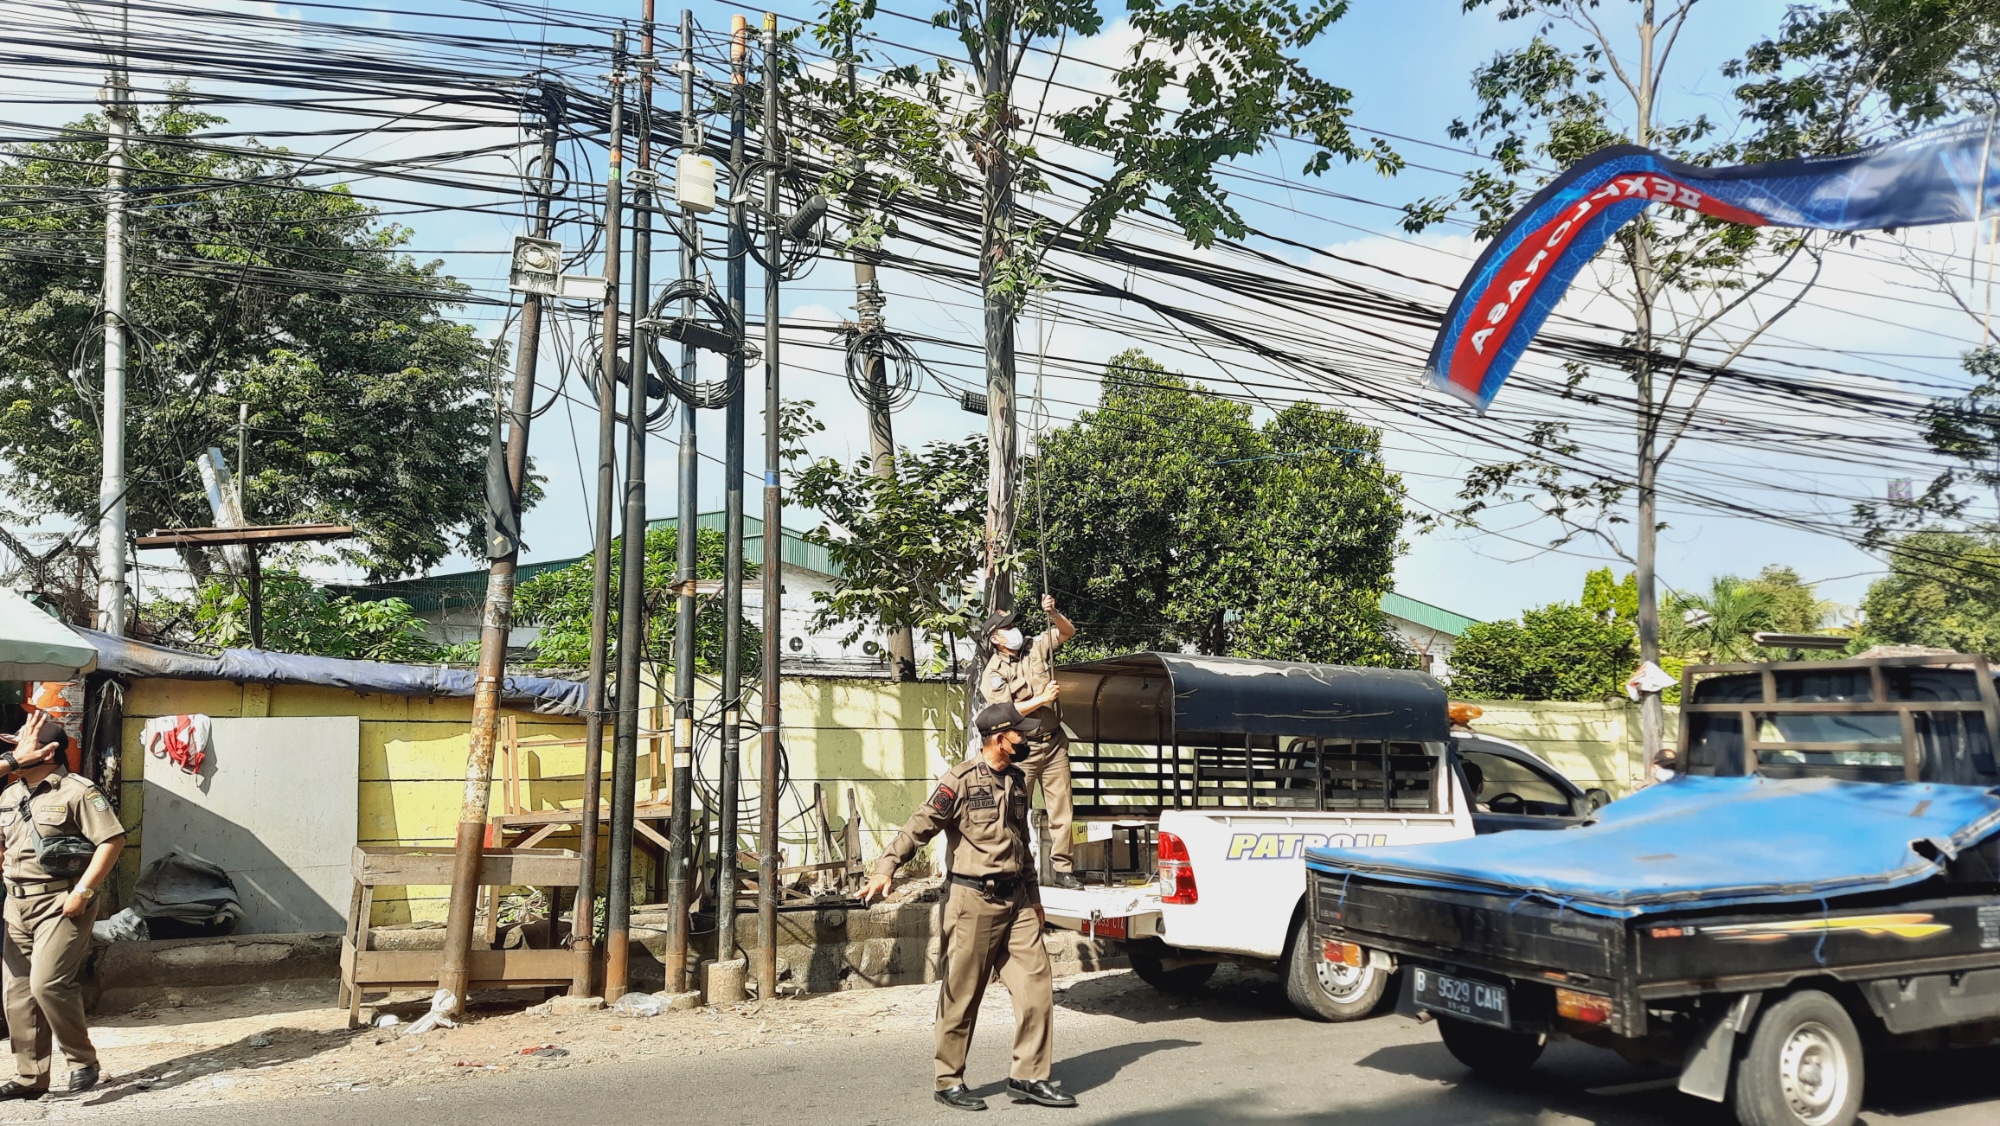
1408	64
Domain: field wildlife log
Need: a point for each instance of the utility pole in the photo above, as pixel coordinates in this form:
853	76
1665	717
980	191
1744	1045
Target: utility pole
607	462
996	244
254	563
1652	713
774	537
732	577
496	622
680	831
112	612
632	573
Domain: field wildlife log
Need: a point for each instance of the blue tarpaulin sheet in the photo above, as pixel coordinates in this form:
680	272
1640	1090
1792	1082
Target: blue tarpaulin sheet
1712	842
136	658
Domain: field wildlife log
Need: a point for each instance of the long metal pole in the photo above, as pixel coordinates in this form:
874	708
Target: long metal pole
607	462
632	575
732	575
111	592
774	538
494	625
680	827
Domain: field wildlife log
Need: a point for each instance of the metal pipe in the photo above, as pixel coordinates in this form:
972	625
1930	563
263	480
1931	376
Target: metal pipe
680	827
732	577
607	464
632	573
774	538
494	624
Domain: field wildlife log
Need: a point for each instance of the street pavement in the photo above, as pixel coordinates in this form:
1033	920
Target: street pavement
1234	1054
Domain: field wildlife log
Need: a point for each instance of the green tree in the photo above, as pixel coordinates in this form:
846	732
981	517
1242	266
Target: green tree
301	617
558	602
1169	520
1942	591
1559	652
249	285
1795	606
1609	599
1716	626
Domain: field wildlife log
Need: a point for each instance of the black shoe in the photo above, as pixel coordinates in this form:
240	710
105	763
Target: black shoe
962	1098
82	1079
1038	1091
1065	881
14	1090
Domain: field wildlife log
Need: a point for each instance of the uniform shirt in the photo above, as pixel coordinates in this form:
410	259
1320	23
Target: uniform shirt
1022	677
984	816
61	805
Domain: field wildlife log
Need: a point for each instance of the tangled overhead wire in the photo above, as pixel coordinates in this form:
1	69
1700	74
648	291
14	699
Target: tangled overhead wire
721	332
894	381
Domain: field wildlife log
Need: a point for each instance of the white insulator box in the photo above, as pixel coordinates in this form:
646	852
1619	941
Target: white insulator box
694	182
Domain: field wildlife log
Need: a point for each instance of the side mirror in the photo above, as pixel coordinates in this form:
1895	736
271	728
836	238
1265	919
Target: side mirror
1596	798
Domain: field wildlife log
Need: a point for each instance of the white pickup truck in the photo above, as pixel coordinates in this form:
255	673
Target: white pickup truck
1214	820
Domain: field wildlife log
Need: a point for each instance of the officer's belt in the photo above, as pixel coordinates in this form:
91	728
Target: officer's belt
1000	887
28	891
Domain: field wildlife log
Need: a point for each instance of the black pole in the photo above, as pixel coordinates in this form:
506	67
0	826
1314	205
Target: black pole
732	577
680	827
607	477
774	540
632	572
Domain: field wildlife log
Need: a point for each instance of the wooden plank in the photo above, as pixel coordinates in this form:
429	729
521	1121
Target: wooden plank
376	867
411	969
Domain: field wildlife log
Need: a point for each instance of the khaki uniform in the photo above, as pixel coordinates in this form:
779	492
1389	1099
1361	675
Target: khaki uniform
984	816
42	951
1045	759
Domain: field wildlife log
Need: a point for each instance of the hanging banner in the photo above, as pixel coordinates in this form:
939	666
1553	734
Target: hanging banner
1934	177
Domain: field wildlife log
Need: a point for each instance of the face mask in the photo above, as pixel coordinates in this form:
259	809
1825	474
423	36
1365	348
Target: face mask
1009	638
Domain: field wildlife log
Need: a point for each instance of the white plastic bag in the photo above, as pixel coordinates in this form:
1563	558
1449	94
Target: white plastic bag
125	926
441	1003
639	1005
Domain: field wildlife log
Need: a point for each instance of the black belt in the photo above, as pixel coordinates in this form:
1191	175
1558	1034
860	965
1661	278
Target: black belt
997	887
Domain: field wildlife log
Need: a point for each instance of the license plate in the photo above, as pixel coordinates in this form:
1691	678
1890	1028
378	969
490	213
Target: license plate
1480	1001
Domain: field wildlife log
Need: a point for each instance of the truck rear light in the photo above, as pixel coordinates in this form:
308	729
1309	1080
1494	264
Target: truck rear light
1345	954
1584	1008
1176	871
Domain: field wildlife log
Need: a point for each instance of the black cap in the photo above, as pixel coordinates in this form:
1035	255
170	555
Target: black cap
1003	620
995	718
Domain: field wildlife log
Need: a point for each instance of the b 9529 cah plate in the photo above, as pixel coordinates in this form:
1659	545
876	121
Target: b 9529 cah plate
1481	1001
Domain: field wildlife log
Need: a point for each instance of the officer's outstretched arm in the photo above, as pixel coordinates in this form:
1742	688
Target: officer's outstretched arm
939	810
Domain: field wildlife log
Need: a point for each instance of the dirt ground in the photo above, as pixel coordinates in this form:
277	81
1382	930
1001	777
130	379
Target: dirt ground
287	1044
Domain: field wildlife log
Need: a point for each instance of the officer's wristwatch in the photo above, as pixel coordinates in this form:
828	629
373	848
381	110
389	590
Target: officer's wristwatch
87	893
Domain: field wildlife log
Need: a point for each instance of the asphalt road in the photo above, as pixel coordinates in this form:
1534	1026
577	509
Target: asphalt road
1233	1055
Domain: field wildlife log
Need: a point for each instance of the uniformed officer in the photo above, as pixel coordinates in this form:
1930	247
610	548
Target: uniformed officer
48	919
993	910
1023	673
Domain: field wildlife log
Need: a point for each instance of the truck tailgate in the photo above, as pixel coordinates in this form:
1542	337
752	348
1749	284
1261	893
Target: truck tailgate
1508	935
1105	912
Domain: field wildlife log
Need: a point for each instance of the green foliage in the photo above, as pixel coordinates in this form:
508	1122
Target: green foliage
1724	619
1608	599
905	543
1795	606
1965	431
367	406
1559	652
300	617
559	603
1942	590
1170	521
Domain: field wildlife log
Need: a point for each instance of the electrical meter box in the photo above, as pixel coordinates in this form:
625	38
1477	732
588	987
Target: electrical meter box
694	182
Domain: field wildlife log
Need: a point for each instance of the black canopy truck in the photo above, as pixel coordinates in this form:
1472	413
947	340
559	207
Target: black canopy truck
1822	881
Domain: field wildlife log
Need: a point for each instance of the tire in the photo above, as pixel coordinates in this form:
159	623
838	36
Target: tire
1491	1053
1320	990
1803	1066
1147	962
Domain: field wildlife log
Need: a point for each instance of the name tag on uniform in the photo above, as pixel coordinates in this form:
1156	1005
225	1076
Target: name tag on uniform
51	815
980	798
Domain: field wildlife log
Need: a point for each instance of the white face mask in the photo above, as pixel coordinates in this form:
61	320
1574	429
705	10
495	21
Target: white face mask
1009	638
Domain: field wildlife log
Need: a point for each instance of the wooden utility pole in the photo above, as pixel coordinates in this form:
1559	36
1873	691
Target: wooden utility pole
504	553
996	247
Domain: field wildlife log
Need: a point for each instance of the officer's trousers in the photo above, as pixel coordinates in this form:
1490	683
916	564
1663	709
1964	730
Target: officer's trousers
41	956
1050	766
981	935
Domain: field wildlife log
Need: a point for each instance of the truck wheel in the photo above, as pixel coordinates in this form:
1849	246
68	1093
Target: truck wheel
1320	990
1147	962
1803	1066
1491	1053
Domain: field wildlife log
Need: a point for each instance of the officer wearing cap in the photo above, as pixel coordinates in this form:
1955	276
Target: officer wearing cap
1023	673
993	910
48	913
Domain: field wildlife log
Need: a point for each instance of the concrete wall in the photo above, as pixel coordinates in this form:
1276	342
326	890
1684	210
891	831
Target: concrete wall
1592	744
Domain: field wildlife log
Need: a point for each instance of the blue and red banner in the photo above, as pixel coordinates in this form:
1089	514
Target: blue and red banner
1934	177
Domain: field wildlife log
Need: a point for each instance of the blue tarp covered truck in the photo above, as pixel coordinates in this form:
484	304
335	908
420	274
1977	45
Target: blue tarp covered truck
1822	881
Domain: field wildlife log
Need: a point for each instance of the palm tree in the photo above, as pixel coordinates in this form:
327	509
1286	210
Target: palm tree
1717	626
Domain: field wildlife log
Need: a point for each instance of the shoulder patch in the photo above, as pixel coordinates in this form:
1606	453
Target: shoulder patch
996	681
942	797
98	803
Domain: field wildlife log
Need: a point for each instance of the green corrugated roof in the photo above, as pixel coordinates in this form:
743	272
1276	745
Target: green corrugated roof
1425	614
468	588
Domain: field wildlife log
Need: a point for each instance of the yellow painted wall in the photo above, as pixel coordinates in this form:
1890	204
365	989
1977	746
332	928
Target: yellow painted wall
1592	744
